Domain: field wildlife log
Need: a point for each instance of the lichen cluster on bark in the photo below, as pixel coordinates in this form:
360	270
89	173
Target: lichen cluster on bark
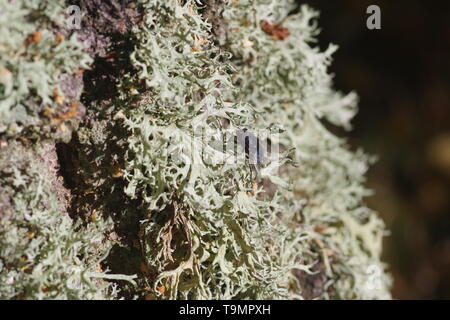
108	191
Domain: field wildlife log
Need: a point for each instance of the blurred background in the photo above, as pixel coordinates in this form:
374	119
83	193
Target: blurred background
402	75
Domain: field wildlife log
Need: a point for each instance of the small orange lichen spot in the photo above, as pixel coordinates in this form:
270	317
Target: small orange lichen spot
30	235
117	172
94	216
150	296
161	289
58	37
276	30
319	229
67	115
199	41
286	106
144	268
98	267
36	37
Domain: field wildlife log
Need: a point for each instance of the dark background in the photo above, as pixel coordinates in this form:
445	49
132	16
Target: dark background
402	75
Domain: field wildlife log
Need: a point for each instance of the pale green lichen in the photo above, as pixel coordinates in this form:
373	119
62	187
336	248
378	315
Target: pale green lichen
224	251
211	243
288	82
33	59
152	159
44	254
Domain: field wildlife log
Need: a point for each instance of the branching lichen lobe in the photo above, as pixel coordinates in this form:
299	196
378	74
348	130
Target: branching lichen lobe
156	211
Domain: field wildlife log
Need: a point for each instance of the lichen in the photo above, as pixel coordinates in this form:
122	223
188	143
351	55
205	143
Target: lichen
152	191
288	82
43	253
36	53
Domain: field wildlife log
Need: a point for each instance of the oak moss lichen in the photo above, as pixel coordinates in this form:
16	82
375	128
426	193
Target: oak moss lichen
146	197
36	57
